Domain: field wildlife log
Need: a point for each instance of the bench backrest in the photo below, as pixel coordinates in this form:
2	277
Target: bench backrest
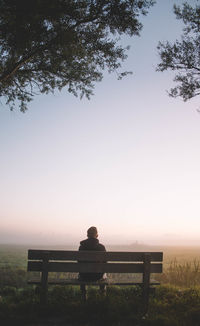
94	261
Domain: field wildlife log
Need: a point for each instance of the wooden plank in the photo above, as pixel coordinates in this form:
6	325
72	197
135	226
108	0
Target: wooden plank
77	282
94	268
92	255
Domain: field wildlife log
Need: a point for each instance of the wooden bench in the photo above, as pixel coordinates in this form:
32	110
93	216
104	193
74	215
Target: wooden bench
47	261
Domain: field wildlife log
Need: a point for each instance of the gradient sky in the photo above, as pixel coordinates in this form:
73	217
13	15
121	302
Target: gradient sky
127	161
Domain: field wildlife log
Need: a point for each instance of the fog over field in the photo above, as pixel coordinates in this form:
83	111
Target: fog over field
16	255
115	241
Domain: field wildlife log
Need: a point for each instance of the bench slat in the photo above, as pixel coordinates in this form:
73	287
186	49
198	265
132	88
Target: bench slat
93	255
77	282
93	268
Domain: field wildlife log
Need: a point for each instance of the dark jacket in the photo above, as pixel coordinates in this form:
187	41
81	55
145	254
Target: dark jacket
91	244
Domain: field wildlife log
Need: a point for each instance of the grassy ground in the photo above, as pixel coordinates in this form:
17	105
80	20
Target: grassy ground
175	303
169	306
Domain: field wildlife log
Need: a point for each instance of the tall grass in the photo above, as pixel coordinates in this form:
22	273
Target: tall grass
185	274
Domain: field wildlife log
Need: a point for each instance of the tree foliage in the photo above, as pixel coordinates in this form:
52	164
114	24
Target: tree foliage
184	56
51	44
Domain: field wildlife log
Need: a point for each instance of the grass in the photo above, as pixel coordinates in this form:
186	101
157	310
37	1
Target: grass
185	274
170	306
175	303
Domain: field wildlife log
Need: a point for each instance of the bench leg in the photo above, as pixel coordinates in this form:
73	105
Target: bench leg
43	296
44	281
44	288
83	291
146	282
102	288
145	300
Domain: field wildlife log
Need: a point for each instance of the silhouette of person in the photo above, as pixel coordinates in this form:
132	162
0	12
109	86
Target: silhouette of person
91	243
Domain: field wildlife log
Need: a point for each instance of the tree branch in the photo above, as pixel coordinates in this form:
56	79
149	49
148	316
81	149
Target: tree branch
7	74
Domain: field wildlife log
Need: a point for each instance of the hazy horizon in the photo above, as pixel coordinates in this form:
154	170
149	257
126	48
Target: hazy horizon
72	240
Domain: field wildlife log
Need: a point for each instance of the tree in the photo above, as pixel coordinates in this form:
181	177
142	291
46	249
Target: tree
51	44
184	56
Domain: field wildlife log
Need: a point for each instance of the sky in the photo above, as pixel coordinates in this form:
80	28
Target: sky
127	161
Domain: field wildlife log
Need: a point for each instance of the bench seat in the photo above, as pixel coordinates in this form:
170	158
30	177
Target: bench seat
37	281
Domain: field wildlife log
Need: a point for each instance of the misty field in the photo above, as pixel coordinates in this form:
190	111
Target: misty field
175	302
